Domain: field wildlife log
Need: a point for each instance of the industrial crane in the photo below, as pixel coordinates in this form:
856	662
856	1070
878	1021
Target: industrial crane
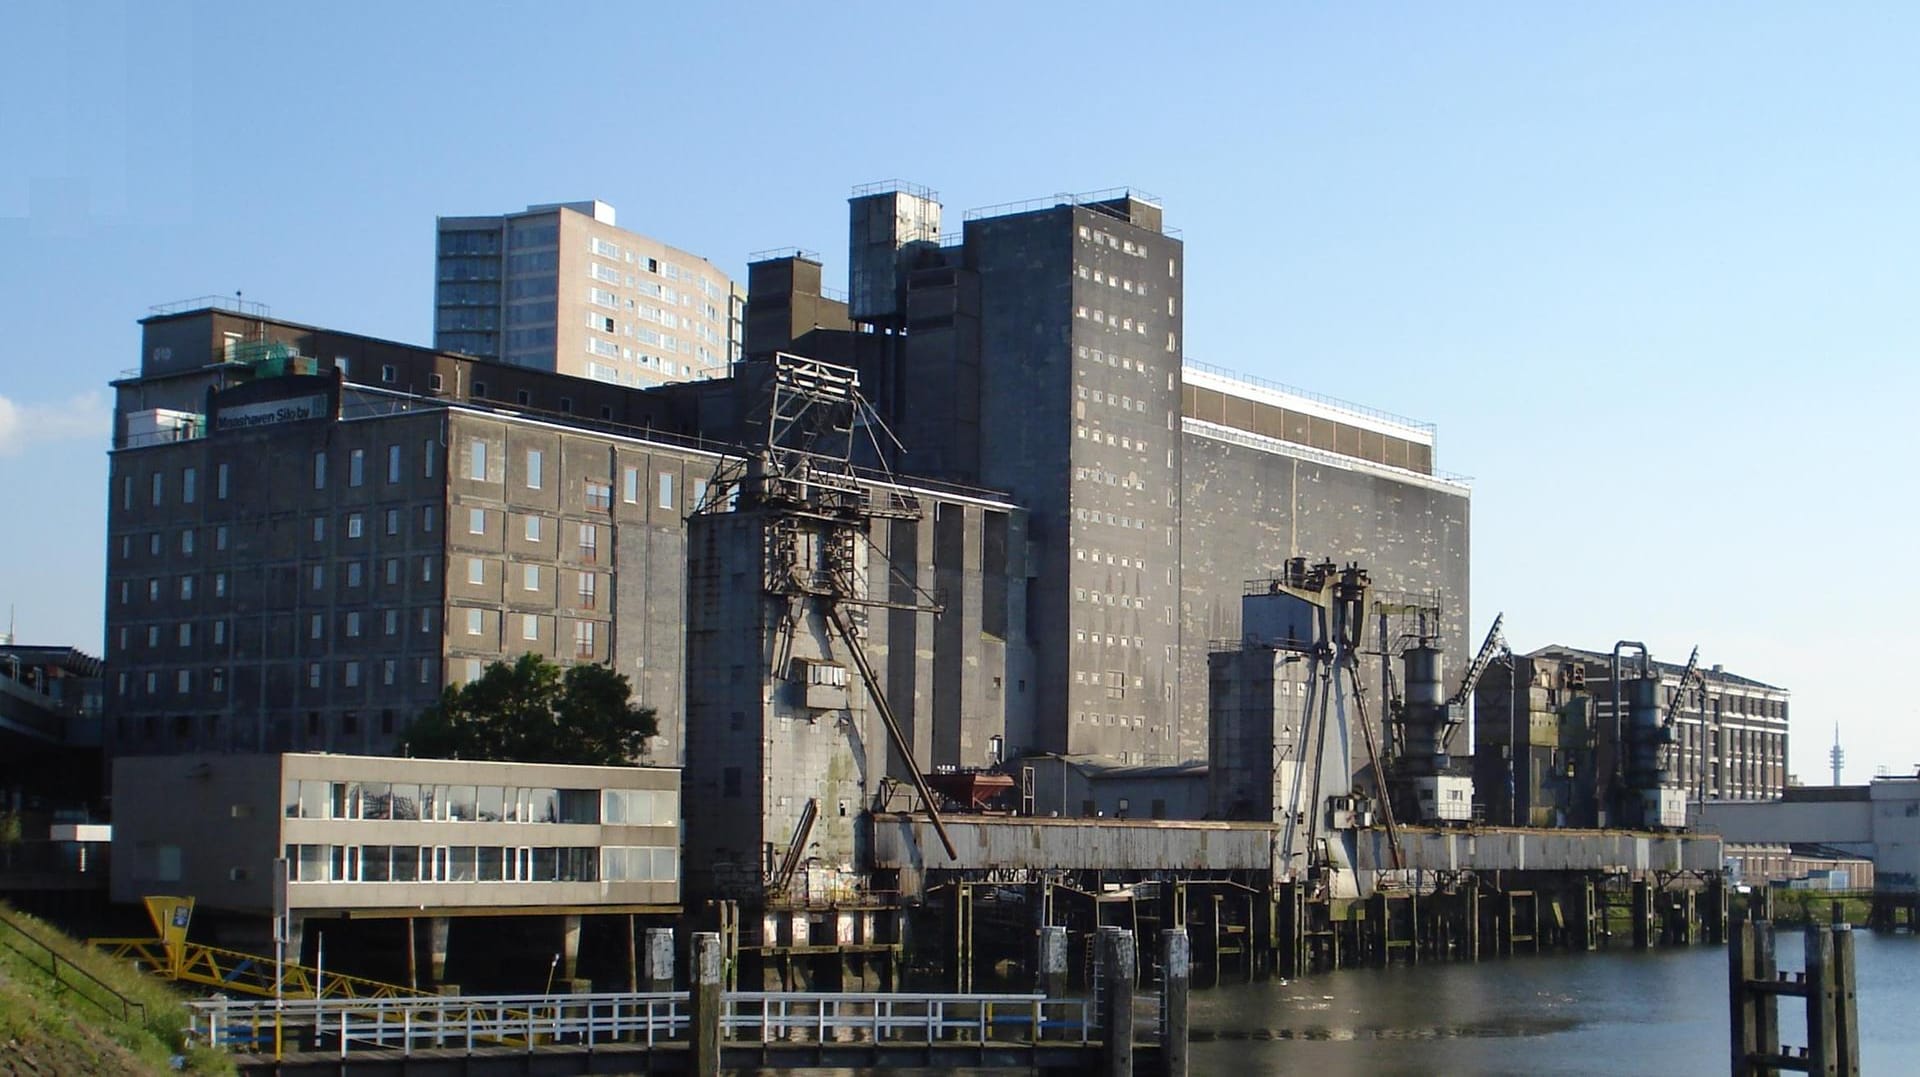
1490	647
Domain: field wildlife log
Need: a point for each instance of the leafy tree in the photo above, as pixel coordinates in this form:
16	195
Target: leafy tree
533	711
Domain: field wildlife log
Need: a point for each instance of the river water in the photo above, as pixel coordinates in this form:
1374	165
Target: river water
1606	1014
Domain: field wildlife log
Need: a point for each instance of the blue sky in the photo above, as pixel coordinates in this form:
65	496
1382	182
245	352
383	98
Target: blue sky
1650	268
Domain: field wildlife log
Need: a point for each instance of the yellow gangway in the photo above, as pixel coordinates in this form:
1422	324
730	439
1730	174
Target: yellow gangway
171	957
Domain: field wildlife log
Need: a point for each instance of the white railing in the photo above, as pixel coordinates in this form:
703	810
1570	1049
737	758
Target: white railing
748	1017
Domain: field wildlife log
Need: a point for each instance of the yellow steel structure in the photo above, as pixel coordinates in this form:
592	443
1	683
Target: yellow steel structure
171	957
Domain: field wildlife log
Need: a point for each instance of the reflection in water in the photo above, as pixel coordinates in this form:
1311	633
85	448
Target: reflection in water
1594	1015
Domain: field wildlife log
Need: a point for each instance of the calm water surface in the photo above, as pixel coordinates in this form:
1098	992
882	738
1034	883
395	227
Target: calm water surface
1603	1015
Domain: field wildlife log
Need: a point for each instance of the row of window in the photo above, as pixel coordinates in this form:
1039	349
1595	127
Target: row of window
445	802
480	864
1117	361
585	635
1114	281
599	493
1125	324
1112	242
357	465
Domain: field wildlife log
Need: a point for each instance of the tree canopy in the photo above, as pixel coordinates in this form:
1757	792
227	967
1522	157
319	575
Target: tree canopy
533	711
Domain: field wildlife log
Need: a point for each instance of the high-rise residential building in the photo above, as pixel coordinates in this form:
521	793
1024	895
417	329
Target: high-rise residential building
563	288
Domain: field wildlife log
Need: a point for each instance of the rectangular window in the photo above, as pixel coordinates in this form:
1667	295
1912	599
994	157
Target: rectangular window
530	577
391	622
319	575
666	490
220	482
352	675
533	469
319	529
159	487
389	669
630	485
189	488
219	585
313	674
393	571
476	570
186	635
476	622
320	470
426	570
583	639
393	521
186	542
355	525
316	626
476	521
426	520
529	626
219	633
393	464
589	587
353	625
427	457
356	467
353	573
183	682
186	587
533	529
589	542
599	495
477	461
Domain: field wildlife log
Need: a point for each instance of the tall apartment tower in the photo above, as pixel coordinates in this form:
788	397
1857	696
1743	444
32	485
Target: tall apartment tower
563	288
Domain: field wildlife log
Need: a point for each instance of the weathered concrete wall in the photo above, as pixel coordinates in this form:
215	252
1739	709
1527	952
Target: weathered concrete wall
1248	509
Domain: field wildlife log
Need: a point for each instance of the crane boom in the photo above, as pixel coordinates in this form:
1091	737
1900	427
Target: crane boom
1495	643
1679	690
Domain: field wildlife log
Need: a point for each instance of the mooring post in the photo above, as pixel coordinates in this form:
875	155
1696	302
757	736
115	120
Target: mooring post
1846	1012
1767	1011
1642	914
707	1003
1823	1041
1176	971
1470	899
1120	967
1743	1021
659	959
1052	961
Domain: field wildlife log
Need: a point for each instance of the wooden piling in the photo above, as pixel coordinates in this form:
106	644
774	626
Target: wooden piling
1176	972
707	1002
1120	967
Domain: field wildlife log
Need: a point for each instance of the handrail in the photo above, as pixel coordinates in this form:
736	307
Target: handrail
746	1017
127	1005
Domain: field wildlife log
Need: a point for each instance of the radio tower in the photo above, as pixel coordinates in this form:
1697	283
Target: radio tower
1836	755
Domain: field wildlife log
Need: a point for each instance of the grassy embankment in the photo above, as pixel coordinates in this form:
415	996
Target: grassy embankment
56	1019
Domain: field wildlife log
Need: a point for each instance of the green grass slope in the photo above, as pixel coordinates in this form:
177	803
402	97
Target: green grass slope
56	1020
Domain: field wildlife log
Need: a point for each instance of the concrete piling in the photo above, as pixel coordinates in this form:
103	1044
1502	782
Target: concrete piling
1052	981
707	1002
658	971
